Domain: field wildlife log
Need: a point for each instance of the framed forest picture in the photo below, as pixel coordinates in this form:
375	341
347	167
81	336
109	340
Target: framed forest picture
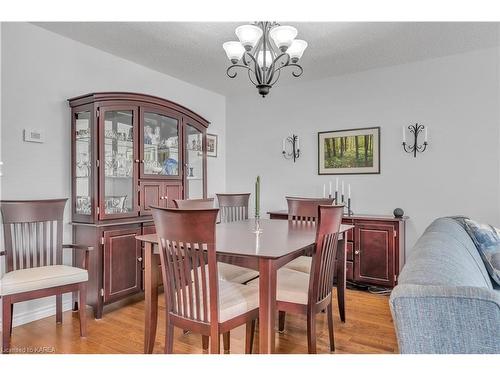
351	151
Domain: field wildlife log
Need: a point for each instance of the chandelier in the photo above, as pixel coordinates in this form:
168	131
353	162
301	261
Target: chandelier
264	49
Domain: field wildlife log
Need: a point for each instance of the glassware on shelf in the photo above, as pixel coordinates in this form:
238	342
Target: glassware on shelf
115	204
83	205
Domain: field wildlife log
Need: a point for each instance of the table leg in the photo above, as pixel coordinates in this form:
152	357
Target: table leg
267	305
151	297
341	276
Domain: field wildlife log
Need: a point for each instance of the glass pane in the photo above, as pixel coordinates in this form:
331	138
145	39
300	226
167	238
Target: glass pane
161	145
119	162
194	162
83	159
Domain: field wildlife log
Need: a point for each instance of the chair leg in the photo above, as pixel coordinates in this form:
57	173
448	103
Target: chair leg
281	321
82	313
249	335
329	312
6	323
311	333
11	316
59	308
226	338
215	342
169	338
204	344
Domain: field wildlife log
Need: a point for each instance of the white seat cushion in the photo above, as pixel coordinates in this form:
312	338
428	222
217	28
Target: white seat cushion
293	286
301	264
40	278
234	300
236	274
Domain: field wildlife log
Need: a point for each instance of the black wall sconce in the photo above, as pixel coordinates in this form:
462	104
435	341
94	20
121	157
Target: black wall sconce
294	153
415	130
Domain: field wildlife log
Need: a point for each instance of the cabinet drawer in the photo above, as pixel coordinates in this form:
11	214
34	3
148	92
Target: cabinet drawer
350	247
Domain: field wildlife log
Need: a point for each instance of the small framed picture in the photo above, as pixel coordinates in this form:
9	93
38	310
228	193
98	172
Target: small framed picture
351	151
212	145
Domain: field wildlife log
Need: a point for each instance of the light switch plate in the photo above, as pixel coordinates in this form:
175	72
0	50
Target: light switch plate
33	135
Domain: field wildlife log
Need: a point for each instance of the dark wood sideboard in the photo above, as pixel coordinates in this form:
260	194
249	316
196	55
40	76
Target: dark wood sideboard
375	248
129	152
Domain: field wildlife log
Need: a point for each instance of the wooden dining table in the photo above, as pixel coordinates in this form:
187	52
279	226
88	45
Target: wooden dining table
240	243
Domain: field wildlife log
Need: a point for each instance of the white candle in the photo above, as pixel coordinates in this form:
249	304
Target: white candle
349	190
426	134
342	187
324	191
330	184
404	135
337	184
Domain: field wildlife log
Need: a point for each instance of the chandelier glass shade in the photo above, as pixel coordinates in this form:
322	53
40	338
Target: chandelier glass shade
263	50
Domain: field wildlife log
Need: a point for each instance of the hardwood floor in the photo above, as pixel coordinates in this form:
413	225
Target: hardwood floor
369	329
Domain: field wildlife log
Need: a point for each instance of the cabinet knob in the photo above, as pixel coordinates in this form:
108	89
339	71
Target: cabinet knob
139	259
356	252
137	160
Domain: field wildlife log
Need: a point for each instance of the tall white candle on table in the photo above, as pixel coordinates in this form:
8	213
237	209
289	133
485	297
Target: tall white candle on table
337	184
342	187
330	183
324	191
349	191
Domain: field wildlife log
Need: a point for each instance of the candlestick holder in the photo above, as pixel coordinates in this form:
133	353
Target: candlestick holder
342	196
336	197
415	130
349	211
257	227
294	154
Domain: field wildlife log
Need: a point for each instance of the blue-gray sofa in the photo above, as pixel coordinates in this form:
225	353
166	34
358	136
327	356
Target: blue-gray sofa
445	301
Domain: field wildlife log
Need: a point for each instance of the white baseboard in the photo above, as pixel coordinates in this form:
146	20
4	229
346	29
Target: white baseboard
41	312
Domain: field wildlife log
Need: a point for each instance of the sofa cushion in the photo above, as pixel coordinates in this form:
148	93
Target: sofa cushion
445	255
487	241
30	279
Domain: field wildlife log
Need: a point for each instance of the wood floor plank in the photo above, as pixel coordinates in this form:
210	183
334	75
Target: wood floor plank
369	329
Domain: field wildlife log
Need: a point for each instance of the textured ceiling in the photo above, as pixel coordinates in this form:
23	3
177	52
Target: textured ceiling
193	51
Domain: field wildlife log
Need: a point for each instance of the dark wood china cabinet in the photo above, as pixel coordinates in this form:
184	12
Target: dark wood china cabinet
129	152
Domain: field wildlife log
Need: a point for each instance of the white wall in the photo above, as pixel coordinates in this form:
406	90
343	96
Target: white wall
40	70
457	97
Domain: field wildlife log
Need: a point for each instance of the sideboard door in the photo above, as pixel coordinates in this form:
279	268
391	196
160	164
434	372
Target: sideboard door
374	253
122	263
151	194
173	190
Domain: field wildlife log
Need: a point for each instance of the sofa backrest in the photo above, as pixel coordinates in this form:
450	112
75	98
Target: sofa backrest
445	255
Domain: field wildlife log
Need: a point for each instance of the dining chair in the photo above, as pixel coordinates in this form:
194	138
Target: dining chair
228	272
195	298
33	232
304	210
194	204
233	207
310	294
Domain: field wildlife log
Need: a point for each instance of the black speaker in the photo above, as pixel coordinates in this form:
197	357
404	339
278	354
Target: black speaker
398	212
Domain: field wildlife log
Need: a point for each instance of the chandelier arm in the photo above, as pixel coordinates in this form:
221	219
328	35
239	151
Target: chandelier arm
273	68
250	77
231	75
256	71
277	77
300	70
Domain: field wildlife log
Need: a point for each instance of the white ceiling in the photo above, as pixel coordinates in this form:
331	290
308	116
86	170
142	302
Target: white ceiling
193	51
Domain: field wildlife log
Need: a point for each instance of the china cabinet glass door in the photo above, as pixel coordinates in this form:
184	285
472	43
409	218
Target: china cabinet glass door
83	167
160	145
118	156
194	140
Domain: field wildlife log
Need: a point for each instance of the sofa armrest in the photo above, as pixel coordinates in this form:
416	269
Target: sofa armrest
85	263
443	319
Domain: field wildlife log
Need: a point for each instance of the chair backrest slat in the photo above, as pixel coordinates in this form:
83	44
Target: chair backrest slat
194	204
305	209
233	207
187	246
322	267
33	232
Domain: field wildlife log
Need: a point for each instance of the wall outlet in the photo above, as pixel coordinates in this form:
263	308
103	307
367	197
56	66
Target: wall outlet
33	135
